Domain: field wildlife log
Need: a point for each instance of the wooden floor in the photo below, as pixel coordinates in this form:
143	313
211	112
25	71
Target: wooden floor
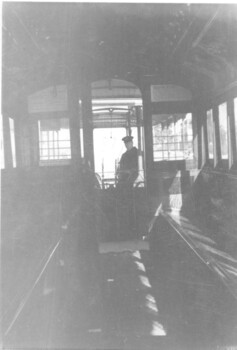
131	294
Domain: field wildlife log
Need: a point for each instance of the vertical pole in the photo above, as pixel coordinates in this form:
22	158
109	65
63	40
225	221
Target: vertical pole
205	138
147	112
73	100
129	131
217	144
231	132
34	142
87	123
18	142
138	117
7	142
25	142
197	138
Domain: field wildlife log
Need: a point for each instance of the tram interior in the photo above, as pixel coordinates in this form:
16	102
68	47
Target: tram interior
82	269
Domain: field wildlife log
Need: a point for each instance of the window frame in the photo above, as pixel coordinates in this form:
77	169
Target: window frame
179	141
52	139
227	133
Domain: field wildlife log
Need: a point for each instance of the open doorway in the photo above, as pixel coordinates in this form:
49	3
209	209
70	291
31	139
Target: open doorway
117	112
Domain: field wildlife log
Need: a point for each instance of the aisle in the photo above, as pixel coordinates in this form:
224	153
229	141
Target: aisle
125	295
132	313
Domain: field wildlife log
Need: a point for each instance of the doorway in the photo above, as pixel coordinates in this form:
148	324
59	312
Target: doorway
117	112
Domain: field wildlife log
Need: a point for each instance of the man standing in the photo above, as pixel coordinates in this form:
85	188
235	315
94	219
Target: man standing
127	174
128	165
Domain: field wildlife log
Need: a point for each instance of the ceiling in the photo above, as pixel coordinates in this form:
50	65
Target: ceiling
47	44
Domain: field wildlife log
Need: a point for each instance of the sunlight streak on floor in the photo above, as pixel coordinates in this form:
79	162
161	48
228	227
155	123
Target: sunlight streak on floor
152	306
157	329
140	266
137	254
145	281
215	251
150	298
191	229
151	303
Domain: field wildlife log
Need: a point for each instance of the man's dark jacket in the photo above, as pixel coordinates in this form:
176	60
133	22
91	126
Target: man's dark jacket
129	162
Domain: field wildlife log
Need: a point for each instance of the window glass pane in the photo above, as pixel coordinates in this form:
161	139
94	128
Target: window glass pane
51	153
173	134
12	136
158	155
223	130
54	137
235	107
171	146
2	159
165	155
43	145
178	127
172	155
179	155
210	134
44	153
178	138
50	135
159	146
65	144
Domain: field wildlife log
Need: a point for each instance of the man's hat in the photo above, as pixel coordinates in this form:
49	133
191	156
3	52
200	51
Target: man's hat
127	139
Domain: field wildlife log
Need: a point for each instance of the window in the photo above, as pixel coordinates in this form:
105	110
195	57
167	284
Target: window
203	146
235	111
82	142
2	158
12	138
54	141
81	133
210	134
223	128
172	137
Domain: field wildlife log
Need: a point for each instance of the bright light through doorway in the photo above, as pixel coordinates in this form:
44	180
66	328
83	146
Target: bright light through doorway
108	144
108	148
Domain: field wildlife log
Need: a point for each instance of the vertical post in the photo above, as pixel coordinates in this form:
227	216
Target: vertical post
73	101
147	112
87	123
197	138
129	131
205	137
7	142
202	154
25	142
231	132
18	142
138	117
34	142
217	143
139	141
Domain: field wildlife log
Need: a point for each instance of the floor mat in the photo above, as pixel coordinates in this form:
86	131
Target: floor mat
117	247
